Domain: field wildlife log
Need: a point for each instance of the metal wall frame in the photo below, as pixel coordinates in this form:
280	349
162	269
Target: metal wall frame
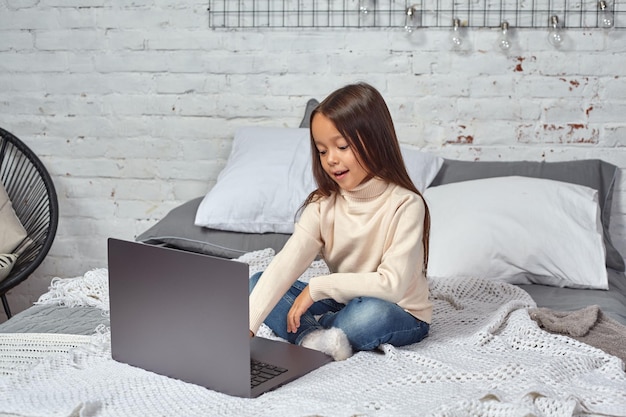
370	14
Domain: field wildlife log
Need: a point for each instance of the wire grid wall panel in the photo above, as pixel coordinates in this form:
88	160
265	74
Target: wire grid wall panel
572	14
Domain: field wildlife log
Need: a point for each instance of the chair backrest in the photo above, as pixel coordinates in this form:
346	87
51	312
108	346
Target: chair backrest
34	199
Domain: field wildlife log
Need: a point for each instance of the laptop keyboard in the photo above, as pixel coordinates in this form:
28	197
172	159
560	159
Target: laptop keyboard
261	372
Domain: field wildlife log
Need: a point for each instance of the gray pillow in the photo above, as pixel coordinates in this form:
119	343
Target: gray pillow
177	229
310	106
594	173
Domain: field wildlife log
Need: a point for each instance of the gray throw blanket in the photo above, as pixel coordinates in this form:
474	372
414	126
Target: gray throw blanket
588	325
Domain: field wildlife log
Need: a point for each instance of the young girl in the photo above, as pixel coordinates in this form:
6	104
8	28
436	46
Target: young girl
369	223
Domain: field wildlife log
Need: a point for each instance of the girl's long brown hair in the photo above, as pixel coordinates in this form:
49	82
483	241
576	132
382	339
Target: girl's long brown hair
361	115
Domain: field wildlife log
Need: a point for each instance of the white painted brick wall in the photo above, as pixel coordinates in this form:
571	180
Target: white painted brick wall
132	104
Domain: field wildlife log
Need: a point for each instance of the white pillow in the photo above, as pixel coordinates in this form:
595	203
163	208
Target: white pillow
266	179
268	176
519	230
422	166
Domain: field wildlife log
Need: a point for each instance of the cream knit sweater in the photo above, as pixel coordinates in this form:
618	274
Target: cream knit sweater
371	240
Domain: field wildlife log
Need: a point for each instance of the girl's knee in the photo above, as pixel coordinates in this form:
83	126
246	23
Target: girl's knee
362	315
254	279
371	309
369	322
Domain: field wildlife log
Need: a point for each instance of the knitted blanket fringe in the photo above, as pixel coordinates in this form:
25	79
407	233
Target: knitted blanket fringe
485	356
90	290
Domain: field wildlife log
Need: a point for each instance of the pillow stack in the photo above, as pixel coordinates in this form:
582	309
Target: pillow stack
520	222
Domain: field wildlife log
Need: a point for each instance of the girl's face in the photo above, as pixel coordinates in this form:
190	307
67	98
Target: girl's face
336	155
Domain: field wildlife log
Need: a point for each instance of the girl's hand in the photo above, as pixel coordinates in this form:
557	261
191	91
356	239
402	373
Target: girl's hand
299	307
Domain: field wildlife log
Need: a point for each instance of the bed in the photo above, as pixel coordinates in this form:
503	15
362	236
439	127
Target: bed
529	298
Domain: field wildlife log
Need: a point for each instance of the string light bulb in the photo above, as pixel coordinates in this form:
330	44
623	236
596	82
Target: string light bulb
607	20
504	41
367	6
456	38
555	35
410	21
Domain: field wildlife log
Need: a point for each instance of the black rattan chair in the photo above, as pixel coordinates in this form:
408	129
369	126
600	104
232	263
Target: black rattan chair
34	200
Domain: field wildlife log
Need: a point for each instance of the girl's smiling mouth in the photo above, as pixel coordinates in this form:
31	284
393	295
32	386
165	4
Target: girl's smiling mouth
340	174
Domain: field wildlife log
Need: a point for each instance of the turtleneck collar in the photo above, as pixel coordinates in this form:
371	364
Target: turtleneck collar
369	190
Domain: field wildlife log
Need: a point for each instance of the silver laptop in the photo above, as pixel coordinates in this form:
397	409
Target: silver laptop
185	315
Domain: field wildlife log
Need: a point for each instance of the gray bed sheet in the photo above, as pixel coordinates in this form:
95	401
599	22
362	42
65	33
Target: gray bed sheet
612	301
84	320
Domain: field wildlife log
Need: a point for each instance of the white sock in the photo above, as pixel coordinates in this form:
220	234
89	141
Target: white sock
333	342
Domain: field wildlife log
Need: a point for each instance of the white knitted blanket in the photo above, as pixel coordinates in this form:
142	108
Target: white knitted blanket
484	357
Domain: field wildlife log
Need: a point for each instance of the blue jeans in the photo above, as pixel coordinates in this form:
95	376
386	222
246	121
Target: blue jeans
367	322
